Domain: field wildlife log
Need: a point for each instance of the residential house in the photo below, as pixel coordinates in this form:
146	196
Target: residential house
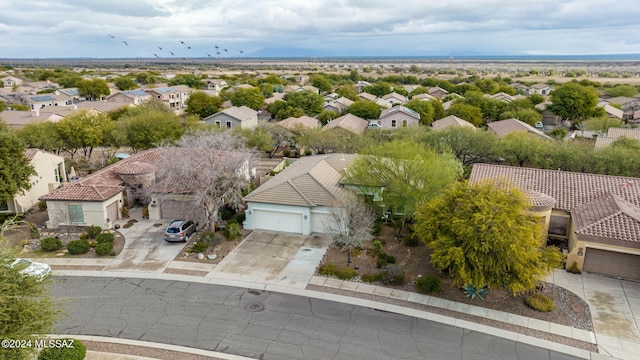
425	97
397	117
503	128
174	97
610	111
367	96
384	104
134	97
548	117
340	105
215	84
451	121
360	85
395	99
299	198
542	89
347	125
11	81
614	134
50	175
438	92
18	119
596	216
294	124
36	102
500	96
233	117
627	104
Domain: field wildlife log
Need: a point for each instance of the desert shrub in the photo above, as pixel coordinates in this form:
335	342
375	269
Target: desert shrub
105	237
232	221
380	262
308	152
286	153
208	237
328	270
428	284
473	292
391	275
34	233
227	213
77	247
411	240
574	268
346	273
84	236
369	278
42	205
199	247
384	259
50	244
77	352
93	243
240	218
377	227
378	246
540	303
104	248
232	231
93	231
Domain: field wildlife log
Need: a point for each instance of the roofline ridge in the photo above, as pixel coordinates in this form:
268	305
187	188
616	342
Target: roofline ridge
318	182
311	203
600	221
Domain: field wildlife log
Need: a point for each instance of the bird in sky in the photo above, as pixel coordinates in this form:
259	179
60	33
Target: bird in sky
159	48
111	36
217	47
124	42
171	52
181	42
225	50
189	47
241	51
209	55
156	55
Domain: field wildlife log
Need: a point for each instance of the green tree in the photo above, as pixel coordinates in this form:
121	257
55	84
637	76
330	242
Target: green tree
348	91
472	114
424	108
69	81
529	116
524	149
27	312
272	79
408	172
251	98
379	89
3	106
44	135
365	109
93	89
83	130
321	82
257	138
192	81
311	103
573	101
537	99
327	115
266	89
202	104
146	127
622	90
275	107
601	124
469	145
125	83
15	168
482	235
147	78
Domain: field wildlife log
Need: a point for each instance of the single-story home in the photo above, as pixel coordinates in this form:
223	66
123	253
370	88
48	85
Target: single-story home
346	124
50	175
299	198
503	128
235	116
597	215
397	117
449	121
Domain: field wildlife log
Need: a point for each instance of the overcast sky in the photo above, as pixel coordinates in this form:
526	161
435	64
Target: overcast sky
99	28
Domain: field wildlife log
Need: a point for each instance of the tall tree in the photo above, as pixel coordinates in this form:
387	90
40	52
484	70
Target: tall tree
212	166
321	82
251	98
365	109
482	236
15	168
83	130
93	89
149	128
472	114
125	83
348	91
192	81
424	108
311	103
349	223
379	89
469	145
202	104
573	101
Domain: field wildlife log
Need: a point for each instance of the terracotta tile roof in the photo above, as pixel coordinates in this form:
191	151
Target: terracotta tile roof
349	122
310	181
508	126
450	120
569	189
614	134
608	217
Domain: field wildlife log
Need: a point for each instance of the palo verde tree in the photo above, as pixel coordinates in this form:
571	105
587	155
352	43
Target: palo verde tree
209	167
15	168
349	223
202	104
573	101
482	235
93	89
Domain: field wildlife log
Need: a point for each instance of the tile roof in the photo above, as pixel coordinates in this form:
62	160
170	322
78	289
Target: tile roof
608	217
450	120
508	126
349	122
31	153
614	134
306	122
240	112
395	109
569	189
310	181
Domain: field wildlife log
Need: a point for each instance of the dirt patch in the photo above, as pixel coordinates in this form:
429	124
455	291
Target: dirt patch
219	246
570	309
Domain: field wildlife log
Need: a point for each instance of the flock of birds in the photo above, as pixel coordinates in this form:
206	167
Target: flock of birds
188	47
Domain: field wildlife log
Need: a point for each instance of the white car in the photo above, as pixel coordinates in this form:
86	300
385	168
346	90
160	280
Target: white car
539	125
32	268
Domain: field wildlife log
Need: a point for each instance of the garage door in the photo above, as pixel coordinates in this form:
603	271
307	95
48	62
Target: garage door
277	221
175	209
112	211
318	221
612	263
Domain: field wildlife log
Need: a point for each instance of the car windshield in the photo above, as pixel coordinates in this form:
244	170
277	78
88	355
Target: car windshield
173	230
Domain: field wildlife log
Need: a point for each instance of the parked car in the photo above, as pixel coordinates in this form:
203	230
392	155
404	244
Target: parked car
31	268
180	230
374	125
539	125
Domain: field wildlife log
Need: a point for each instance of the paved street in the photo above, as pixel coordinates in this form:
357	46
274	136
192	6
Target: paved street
267	325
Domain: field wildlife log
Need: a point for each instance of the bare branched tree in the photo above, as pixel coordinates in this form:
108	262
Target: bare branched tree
211	167
350	223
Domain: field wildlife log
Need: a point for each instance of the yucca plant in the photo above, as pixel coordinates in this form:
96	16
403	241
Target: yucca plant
472	292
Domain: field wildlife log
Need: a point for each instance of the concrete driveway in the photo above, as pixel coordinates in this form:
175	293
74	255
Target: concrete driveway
145	248
274	258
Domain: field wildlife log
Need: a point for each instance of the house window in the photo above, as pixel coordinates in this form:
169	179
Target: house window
56	173
4	205
218	123
393	123
76	214
228	124
404	123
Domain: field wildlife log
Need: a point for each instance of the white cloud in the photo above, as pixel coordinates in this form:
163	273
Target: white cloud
80	28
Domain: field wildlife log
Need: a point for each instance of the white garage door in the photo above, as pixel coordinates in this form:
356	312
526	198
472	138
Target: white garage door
318	222
277	221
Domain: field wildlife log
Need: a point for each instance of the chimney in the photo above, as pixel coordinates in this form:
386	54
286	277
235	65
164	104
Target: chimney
35	112
57	92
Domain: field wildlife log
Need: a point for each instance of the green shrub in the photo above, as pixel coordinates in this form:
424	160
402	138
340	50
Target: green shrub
384	259
104	248
227	213
369	278
540	303
84	236
328	270
286	153
378	246
199	247
93	243
240	218
428	284
77	352
34	233
380	262
77	247
42	205
574	268
105	237
50	244
343	273
391	275
411	240
93	231
232	231
308	152
377	226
